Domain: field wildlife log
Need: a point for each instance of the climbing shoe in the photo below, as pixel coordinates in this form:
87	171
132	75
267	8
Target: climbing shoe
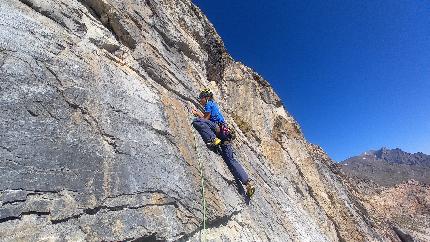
214	145
250	189
214	142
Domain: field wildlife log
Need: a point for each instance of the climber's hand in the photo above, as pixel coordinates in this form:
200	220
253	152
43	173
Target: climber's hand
197	113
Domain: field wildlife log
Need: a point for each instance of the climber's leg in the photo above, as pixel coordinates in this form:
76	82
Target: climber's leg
206	129
236	168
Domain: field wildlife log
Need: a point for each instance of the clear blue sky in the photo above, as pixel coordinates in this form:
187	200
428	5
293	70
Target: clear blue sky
354	74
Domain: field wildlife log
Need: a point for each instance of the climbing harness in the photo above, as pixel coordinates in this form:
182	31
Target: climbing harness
225	132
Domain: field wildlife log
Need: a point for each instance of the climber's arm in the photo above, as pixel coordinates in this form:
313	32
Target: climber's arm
199	114
207	116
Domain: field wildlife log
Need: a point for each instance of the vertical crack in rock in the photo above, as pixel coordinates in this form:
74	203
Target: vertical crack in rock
404	237
154	76
92	121
39	10
5	148
112	19
57	16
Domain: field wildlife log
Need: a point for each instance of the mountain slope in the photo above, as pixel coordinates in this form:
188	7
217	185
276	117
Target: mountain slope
96	142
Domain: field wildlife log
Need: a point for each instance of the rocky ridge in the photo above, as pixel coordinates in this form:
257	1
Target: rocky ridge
388	167
399	156
96	142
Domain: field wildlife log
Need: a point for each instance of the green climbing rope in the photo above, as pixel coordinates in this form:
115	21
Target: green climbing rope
202	232
202	184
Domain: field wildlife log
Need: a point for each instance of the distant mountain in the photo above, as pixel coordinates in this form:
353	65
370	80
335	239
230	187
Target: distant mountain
388	167
399	156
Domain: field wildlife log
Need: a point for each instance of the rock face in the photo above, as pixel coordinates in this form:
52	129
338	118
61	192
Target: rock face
96	142
407	205
388	167
395	187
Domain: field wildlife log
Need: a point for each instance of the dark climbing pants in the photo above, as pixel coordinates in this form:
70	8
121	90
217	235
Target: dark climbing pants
207	129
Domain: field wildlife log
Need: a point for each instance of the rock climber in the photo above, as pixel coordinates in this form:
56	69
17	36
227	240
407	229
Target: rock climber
212	127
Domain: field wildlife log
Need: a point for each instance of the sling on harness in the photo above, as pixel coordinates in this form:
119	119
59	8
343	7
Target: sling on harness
225	133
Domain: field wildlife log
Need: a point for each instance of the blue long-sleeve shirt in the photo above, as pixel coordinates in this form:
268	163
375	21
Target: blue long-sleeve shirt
212	108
